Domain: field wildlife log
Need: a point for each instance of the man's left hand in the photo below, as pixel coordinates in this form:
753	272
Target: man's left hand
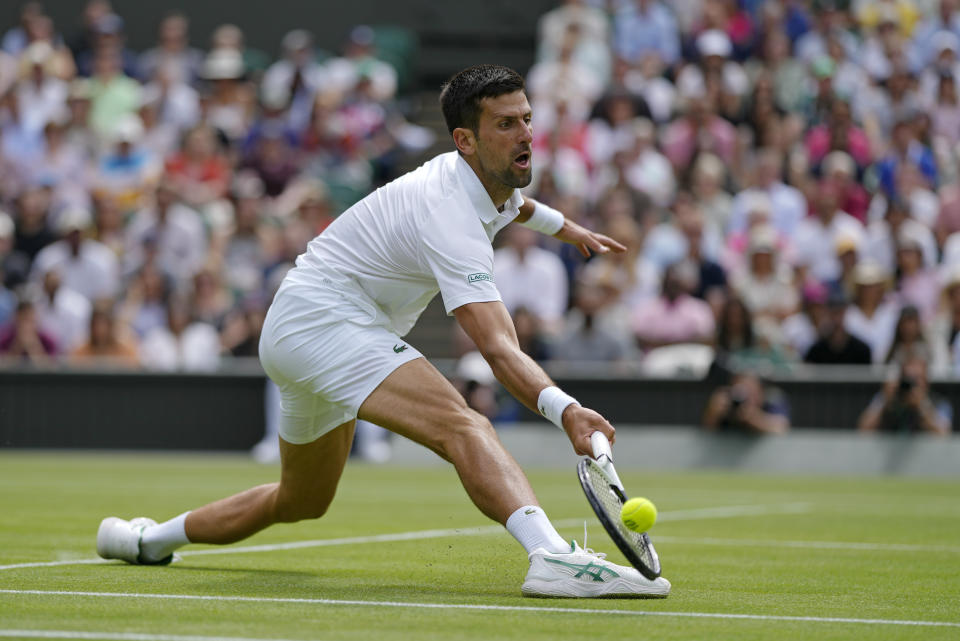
587	241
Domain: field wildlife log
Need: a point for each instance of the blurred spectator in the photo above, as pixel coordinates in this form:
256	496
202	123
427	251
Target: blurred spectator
171	231
22	339
800	330
181	343
817	236
906	149
882	235
530	277
674	316
359	63
297	75
63	313
113	94
591	331
787	205
645	27
873	315
530	335
475	381
210	301
906	405
699	129
127	171
917	285
228	101
199	173
835	345
144	307
173	50
241	329
87	266
30	214
106	346
908	338
746	405
766	285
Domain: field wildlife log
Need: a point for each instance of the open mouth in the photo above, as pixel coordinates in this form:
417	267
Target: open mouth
522	160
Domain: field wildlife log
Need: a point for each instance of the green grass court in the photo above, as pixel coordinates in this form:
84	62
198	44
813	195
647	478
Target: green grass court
750	557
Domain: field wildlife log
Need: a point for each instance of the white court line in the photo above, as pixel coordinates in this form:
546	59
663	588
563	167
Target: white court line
813	545
116	636
500	608
720	512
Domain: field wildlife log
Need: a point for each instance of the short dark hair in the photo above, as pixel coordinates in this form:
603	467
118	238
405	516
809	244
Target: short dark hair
461	95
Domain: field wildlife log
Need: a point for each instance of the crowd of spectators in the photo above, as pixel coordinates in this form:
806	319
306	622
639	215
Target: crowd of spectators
150	202
785	173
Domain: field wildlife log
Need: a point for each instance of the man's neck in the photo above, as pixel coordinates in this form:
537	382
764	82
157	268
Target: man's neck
498	192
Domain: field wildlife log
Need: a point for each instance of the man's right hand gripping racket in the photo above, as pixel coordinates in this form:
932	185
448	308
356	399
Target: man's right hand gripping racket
606	496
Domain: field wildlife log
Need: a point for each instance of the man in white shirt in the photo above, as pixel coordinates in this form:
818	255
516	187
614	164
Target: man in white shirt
332	343
816	237
87	266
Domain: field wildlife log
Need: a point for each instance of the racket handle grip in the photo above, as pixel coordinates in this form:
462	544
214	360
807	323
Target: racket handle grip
601	446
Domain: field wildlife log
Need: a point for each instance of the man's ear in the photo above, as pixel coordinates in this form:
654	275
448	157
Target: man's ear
465	140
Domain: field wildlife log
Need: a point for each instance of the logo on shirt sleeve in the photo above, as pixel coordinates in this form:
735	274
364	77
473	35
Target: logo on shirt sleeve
473	278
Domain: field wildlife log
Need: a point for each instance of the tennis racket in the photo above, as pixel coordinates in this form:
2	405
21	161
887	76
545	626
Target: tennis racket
606	496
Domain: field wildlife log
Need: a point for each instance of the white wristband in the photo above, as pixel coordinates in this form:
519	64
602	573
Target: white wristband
545	219
552	402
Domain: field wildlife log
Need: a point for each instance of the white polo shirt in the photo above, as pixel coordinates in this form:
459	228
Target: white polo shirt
430	230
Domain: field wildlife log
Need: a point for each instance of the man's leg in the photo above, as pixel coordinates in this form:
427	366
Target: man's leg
308	481
417	402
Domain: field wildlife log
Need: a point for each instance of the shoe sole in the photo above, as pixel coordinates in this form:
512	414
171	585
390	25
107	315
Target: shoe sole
615	589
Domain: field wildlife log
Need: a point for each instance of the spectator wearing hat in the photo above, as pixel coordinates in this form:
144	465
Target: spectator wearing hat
766	284
787	206
923	45
127	171
848	255
87	266
64	165
707	186
40	94
873	315
835	345
642	27
715	50
840	170
917	285
229	101
816	237
230	36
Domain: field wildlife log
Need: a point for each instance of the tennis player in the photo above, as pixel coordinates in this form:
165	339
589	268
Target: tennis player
333	343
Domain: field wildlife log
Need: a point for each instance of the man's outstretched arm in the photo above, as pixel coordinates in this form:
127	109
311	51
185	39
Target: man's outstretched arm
548	221
491	328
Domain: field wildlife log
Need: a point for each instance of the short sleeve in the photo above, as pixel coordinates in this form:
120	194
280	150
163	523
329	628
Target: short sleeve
460	257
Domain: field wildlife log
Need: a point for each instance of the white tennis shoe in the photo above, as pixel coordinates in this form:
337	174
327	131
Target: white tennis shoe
120	539
583	573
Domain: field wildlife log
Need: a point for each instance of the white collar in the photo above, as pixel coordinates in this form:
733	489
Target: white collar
479	197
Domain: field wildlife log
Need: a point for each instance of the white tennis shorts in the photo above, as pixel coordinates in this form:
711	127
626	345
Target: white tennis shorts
327	354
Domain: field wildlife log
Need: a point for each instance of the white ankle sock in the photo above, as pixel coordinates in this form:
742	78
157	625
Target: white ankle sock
530	526
160	540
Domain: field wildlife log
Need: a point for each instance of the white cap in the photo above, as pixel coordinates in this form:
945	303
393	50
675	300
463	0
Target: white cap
944	41
74	219
128	129
223	64
714	42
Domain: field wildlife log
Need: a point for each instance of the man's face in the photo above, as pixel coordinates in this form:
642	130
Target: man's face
503	139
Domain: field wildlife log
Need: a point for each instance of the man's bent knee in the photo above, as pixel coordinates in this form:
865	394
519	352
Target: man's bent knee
465	431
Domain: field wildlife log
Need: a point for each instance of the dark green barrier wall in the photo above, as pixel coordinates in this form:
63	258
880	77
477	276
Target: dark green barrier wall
225	411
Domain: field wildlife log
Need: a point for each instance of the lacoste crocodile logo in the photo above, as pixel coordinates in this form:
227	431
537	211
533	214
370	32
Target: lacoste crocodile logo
399	348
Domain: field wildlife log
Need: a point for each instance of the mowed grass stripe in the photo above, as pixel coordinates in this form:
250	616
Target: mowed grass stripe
485	607
717	512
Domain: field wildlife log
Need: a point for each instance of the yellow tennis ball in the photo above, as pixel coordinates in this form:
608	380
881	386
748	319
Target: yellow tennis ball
638	514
